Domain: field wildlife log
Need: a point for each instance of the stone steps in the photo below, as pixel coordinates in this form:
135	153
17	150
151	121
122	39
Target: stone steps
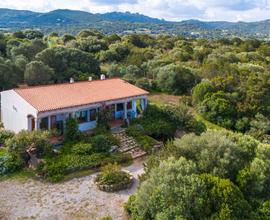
128	145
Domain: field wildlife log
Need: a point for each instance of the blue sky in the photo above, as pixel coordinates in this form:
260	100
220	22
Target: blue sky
229	10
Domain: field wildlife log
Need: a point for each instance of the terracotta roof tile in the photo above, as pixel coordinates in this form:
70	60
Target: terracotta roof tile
59	96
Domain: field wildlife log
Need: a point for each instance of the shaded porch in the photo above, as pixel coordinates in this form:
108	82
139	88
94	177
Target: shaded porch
87	116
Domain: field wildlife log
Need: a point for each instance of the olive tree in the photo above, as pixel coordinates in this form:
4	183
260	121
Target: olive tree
175	79
174	190
37	73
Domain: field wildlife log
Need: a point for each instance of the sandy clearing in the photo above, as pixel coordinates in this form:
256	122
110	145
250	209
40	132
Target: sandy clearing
75	199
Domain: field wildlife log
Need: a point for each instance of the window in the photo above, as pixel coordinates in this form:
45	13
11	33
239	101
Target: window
44	124
120	107
129	105
93	114
81	116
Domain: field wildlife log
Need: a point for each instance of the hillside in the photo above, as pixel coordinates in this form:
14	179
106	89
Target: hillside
70	21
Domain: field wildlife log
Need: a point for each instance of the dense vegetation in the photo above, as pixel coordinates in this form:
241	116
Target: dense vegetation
34	150
228	79
206	174
217	175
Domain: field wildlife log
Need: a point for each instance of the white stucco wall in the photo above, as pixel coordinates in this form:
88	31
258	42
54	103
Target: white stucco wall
14	111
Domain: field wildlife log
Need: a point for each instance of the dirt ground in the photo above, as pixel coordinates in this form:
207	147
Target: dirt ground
162	99
78	198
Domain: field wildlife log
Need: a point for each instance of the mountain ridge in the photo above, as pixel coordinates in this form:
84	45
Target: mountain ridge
66	20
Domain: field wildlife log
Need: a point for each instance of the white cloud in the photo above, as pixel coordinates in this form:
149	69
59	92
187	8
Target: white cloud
230	10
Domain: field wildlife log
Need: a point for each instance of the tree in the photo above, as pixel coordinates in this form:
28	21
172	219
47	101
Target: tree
112	38
115	71
134	71
257	90
264	211
260	128
10	75
90	32
33	34
218	108
200	90
18	34
37	73
174	190
67	37
91	44
29	49
68	62
175	79
254	180
20	143
216	152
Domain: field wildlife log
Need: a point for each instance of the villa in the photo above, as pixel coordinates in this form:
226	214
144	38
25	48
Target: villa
47	107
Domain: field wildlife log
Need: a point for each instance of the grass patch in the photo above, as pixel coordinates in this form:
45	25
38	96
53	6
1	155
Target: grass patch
21	175
208	124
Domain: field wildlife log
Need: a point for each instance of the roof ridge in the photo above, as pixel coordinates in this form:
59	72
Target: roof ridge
67	83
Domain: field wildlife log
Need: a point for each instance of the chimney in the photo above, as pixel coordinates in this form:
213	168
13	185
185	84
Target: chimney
90	78
102	77
71	80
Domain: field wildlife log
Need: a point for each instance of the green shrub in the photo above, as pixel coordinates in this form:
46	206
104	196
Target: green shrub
112	174
21	142
159	129
195	126
130	206
156	123
82	149
72	132
55	168
101	143
4	135
162	122
146	142
112	178
10	163
117	158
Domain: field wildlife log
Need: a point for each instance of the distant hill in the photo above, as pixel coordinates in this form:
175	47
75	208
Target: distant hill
71	21
57	17
130	17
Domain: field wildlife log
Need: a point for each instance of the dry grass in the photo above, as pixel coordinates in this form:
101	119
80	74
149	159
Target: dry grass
164	99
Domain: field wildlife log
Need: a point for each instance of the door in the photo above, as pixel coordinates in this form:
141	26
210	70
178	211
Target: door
53	122
33	124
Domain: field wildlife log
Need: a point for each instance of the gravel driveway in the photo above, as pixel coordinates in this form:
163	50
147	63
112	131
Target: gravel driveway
75	199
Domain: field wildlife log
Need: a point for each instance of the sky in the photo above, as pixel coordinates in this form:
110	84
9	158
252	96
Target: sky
174	10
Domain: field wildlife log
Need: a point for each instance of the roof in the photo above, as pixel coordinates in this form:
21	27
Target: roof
59	96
